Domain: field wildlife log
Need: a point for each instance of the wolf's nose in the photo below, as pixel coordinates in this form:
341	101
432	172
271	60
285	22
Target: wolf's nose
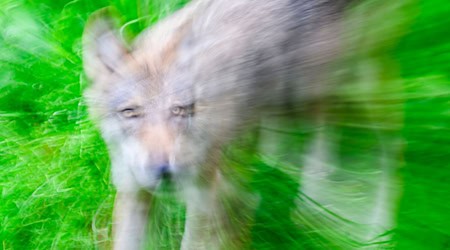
164	172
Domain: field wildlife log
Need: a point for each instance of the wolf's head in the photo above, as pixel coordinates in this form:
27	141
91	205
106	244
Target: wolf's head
158	124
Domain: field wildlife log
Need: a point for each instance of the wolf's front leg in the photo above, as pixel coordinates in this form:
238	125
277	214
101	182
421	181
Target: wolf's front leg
207	228
201	229
218	216
130	219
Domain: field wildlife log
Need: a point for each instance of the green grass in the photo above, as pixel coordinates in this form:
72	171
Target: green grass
54	179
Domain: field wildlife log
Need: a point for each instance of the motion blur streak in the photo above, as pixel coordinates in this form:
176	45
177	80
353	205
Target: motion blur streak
354	159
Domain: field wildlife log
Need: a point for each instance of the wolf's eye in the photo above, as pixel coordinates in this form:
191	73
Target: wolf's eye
177	110
130	113
183	110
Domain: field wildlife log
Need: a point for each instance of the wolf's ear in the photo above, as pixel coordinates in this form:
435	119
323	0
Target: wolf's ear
103	50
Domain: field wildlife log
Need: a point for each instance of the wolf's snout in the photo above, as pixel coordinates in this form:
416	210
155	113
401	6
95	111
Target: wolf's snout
163	172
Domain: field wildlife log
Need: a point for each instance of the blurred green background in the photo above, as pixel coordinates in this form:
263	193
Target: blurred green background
54	178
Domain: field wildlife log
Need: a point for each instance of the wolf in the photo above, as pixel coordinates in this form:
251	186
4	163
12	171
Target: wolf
168	104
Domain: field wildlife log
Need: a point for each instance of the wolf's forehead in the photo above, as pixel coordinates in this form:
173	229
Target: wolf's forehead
136	98
157	74
149	92
156	52
167	75
131	84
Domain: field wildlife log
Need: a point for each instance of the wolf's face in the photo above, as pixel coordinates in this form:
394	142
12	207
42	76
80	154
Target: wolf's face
149	111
